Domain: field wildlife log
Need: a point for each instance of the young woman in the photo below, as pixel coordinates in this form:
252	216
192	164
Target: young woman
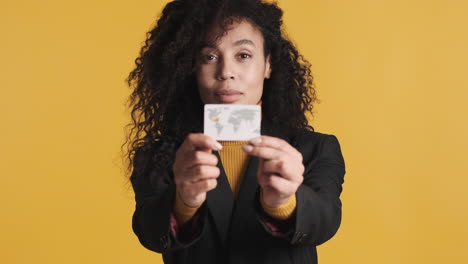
269	200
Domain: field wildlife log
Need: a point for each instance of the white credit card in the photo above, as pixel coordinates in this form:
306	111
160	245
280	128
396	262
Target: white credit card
232	122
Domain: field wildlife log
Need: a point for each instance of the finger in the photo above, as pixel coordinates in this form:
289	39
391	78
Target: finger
201	158
202	172
276	143
263	152
280	184
199	141
278	167
286	169
260	170
262	179
197	188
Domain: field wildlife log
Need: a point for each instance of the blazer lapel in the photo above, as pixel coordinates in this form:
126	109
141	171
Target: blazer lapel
220	203
244	206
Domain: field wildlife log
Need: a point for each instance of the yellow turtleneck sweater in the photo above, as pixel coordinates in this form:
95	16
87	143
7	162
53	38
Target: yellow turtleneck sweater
234	161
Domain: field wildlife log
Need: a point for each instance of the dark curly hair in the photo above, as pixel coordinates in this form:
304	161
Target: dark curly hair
165	102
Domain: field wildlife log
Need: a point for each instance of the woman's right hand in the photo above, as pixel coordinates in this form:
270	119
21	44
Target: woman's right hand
195	168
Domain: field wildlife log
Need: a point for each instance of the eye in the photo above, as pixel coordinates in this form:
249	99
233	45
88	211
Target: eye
245	56
209	57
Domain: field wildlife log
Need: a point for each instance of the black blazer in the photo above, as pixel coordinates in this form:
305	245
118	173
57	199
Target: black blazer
232	231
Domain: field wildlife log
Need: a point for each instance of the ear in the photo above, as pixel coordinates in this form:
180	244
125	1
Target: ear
267	67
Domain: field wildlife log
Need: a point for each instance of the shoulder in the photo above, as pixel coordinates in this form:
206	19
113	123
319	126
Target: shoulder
315	145
153	155
310	138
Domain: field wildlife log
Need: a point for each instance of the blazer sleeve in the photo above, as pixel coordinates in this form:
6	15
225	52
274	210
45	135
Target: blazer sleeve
318	206
154	196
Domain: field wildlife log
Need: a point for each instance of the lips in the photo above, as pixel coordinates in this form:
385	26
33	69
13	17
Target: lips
227	92
228	96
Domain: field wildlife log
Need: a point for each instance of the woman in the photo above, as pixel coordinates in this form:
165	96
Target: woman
269	200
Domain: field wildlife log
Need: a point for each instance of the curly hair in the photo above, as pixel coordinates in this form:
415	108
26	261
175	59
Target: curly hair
165	102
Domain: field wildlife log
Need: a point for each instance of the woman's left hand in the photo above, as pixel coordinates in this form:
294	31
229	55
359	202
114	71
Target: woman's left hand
280	169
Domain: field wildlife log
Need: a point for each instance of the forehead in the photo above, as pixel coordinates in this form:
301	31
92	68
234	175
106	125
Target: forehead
236	33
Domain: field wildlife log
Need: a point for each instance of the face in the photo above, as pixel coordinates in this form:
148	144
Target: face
232	70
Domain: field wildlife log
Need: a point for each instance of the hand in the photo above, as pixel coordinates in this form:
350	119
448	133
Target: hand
195	170
280	171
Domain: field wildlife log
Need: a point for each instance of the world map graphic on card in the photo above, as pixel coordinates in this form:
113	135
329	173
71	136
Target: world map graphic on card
232	122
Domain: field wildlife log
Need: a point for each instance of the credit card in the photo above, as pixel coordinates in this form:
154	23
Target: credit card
232	122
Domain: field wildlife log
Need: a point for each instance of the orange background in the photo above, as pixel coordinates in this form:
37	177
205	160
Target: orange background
391	76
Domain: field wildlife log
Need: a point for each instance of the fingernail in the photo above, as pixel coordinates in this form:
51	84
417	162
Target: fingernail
247	148
256	140
218	146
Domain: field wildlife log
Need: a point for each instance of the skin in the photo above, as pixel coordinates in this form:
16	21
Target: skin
280	170
235	63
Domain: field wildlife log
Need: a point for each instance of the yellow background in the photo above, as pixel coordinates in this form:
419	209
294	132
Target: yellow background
392	77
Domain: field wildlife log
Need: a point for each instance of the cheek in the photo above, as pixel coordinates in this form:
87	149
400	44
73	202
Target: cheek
204	77
205	84
255	77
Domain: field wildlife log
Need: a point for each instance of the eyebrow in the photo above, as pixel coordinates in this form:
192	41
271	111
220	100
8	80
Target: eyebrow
236	43
244	41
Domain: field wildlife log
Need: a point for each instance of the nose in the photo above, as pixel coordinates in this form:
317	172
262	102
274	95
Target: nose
225	70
